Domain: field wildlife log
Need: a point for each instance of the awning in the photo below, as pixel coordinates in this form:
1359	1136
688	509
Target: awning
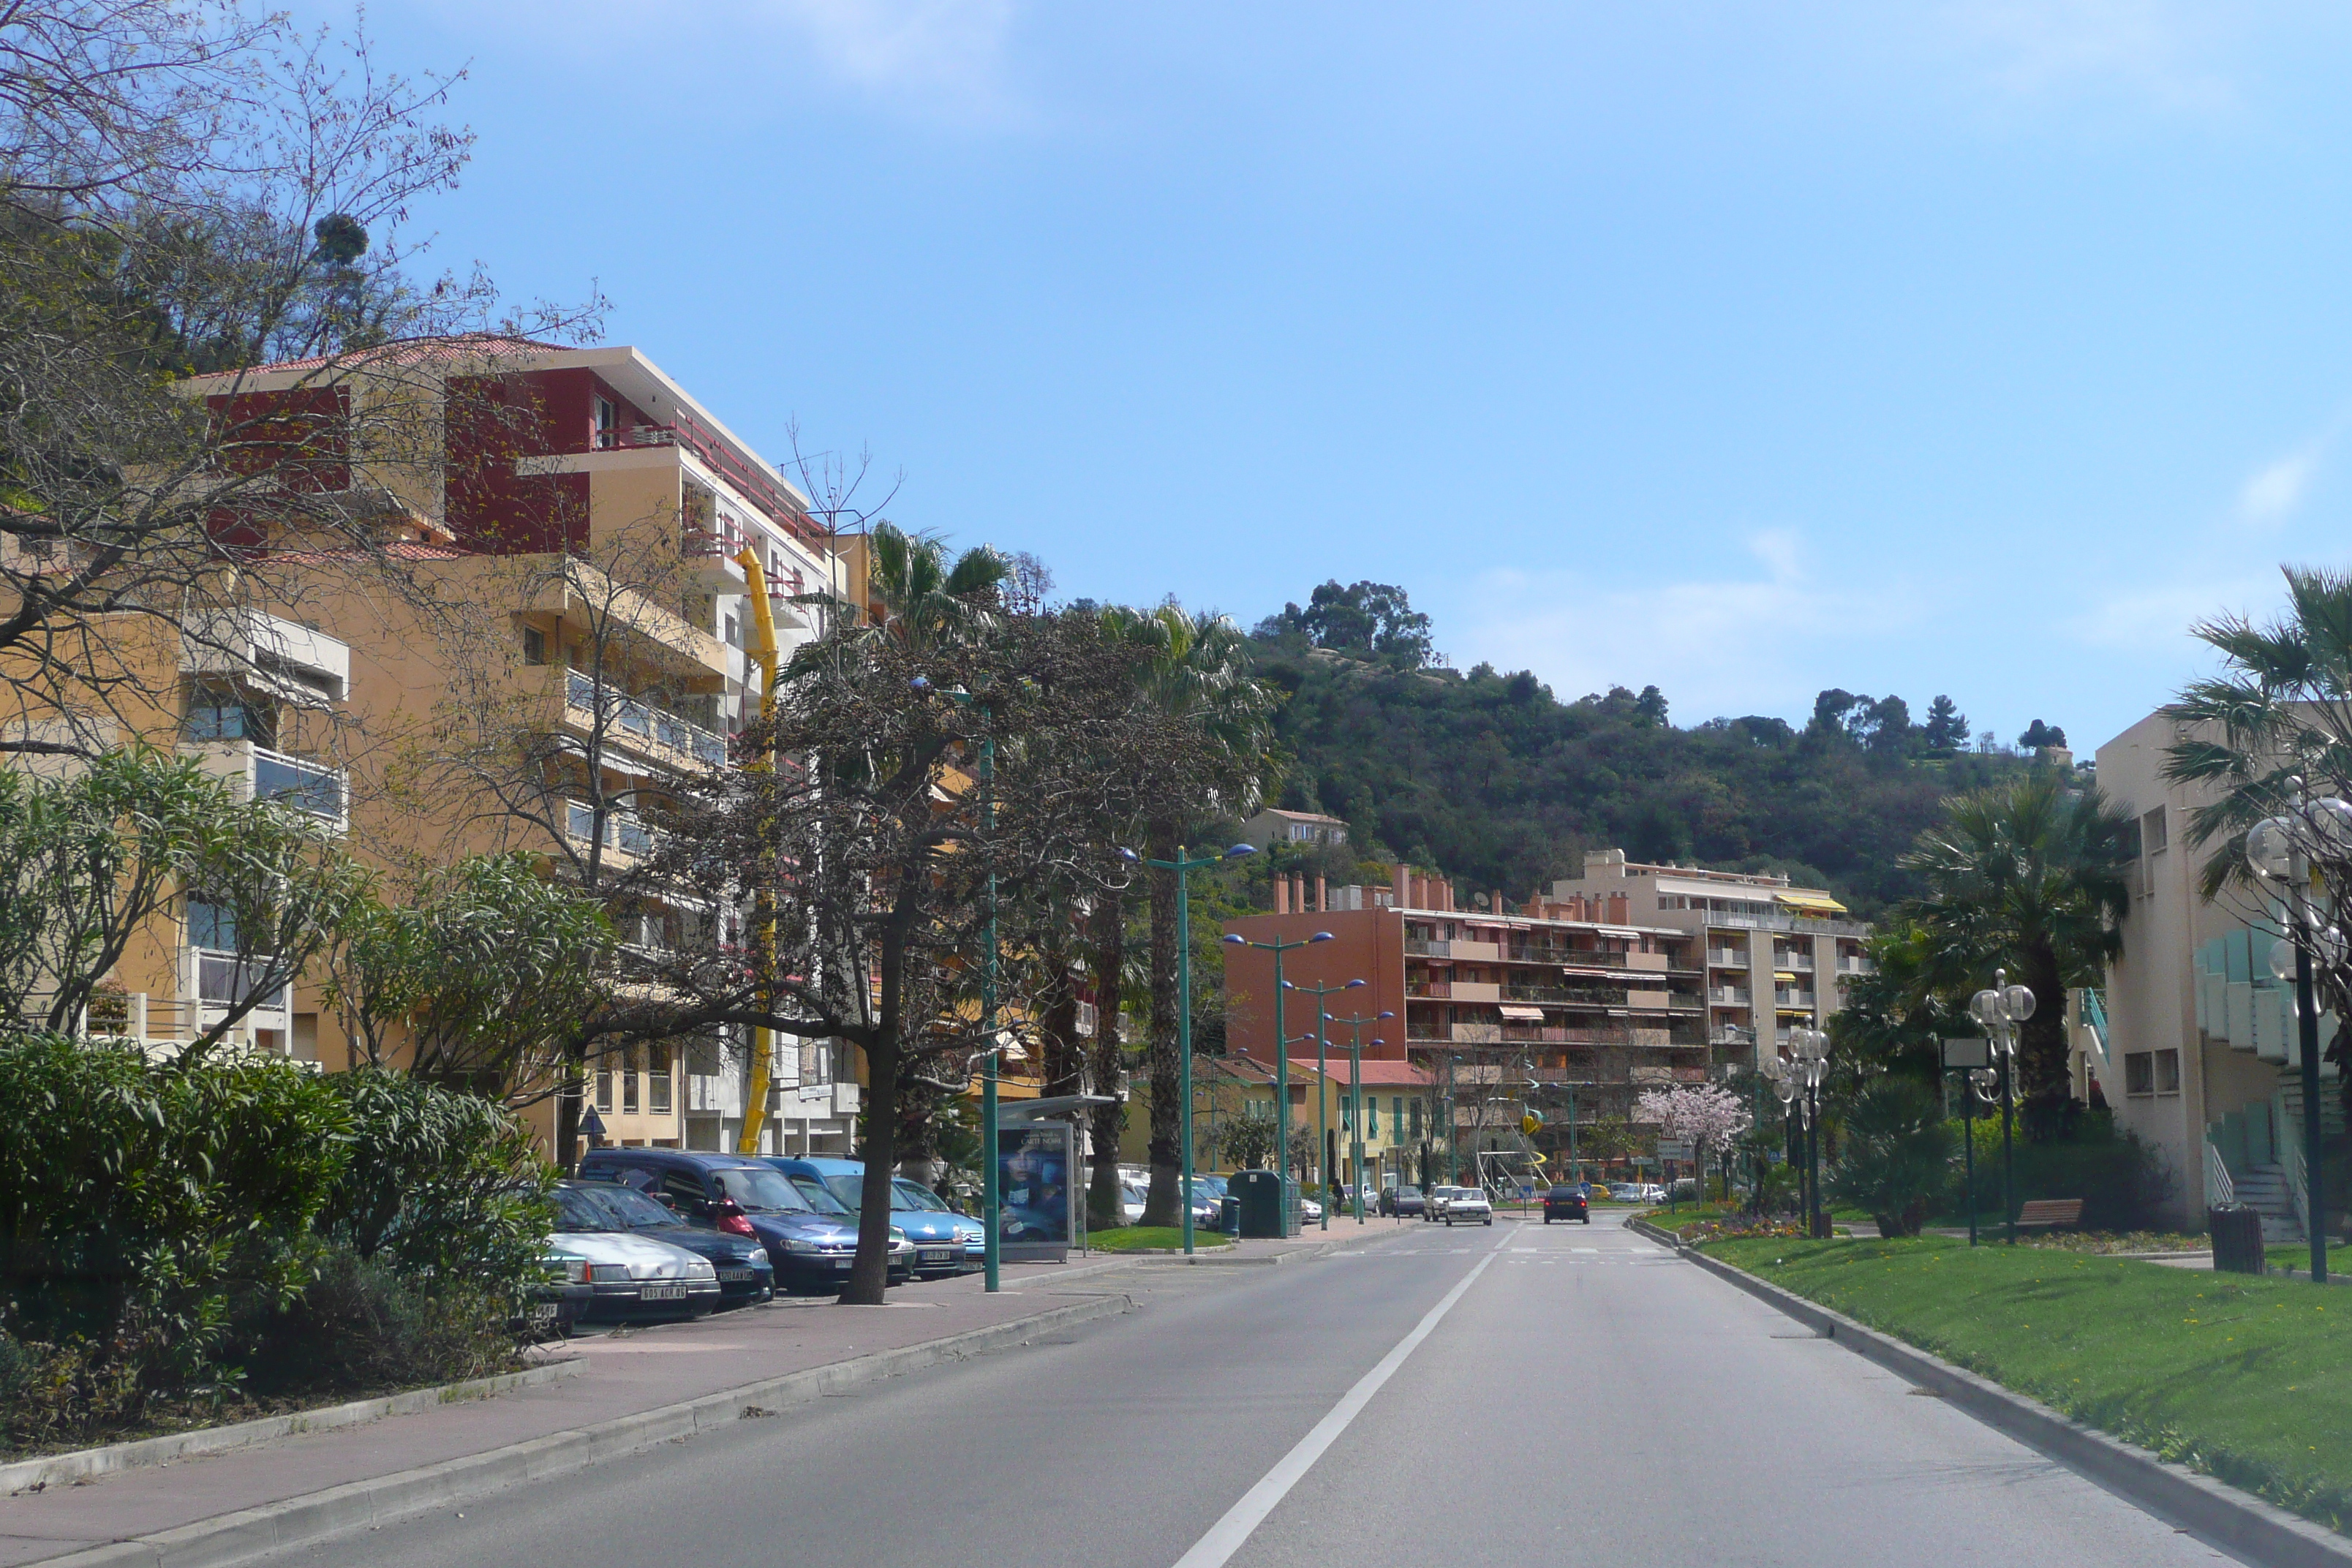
1522	1015
1808	903
1783	974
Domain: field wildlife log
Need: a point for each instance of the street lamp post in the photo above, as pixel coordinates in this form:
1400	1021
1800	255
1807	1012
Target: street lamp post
1320	992
1356	1103
1783	1077
1184	1012
2279	849
1999	1010
1281	1055
1977	1085
1812	1051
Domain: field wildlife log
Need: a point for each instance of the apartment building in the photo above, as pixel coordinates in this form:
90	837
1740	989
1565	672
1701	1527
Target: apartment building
1561	1005
2199	1054
1776	956
570	606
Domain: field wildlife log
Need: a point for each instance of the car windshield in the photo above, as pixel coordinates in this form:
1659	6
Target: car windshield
822	1201
577	1208
761	1190
914	1195
846	1190
1408	1192
634	1208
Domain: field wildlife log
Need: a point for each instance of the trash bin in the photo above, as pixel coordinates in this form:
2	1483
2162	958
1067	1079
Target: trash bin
1265	1208
2237	1232
1229	1215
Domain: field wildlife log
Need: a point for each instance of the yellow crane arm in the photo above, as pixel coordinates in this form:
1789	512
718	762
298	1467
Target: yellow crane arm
763	652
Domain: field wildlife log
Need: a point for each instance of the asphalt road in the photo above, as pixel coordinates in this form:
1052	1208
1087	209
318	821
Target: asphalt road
1581	1397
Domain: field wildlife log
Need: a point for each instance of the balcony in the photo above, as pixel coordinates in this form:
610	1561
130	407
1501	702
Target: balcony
1569	957
1852	964
1795	962
625	836
1807	927
1480	952
781	508
222	981
1727	958
1729	996
639	726
1795	1000
255	772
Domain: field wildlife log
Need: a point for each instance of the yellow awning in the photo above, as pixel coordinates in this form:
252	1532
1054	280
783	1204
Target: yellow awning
1783	974
1810	903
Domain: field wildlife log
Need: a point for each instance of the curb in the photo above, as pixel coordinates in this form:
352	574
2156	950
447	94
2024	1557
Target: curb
2219	1515
252	1532
82	1464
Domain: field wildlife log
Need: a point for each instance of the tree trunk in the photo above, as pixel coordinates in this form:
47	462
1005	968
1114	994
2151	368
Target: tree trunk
1167	1102
869	1276
2041	1054
1104	1205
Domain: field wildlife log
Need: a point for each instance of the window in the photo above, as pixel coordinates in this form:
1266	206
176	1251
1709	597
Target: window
1371	1115
2139	1072
212	926
2168	1072
657	1084
2151	832
628	1089
1416	1118
1396	1116
604	1089
534	646
580	821
224	713
608	423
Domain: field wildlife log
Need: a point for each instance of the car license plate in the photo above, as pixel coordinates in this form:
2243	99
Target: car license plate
544	1311
735	1274
843	1262
662	1293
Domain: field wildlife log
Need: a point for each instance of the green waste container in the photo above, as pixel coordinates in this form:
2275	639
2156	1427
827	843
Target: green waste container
1265	1203
2237	1232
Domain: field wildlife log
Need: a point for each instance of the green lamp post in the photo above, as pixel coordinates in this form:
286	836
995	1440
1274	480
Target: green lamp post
1281	1049
1320	992
1356	1103
1184	1007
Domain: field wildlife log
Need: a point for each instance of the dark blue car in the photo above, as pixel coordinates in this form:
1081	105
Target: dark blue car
745	1273
945	1242
744	1196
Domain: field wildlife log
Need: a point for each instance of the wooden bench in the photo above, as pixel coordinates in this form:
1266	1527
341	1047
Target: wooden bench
2049	1214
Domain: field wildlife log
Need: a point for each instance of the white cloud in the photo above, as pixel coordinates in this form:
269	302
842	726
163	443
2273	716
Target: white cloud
2161	51
2275	491
1725	645
941	55
2155	618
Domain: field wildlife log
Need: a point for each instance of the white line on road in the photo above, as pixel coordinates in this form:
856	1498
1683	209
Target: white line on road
1225	1537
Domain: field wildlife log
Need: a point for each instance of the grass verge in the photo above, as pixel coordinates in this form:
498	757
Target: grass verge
2247	1379
1154	1238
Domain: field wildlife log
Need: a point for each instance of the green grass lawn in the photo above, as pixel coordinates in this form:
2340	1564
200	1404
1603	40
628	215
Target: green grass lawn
2247	1378
1154	1238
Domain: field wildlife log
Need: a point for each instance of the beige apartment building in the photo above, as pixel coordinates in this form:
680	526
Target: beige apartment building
2198	1054
549	632
1776	956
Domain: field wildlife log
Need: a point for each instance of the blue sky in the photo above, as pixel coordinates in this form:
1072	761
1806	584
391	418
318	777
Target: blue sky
1747	349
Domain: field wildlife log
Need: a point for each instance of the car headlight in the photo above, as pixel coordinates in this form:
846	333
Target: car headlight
756	1257
608	1273
798	1243
701	1269
564	1270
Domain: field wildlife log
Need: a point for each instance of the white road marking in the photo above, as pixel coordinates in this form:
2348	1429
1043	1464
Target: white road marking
1225	1537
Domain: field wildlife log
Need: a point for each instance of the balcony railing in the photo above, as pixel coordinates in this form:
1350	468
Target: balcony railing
643	720
1576	957
306	787
721	459
1725	997
224	980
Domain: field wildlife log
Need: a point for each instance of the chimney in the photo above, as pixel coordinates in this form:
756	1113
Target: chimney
1401	880
1299	893
1500	908
1282	895
1619	909
1322	895
1446	891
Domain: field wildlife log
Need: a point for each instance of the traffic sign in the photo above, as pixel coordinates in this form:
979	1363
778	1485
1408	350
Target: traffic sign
1673	1149
1966	1053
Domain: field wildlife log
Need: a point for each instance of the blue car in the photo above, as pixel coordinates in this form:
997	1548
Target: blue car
745	1197
945	1242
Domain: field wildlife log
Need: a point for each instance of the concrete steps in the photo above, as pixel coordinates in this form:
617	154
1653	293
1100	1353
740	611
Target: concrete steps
2263	1188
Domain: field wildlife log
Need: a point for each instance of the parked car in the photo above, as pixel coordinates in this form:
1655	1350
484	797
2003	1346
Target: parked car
1566	1203
743	1196
1131	1201
941	1240
635	1276
1310	1212
902	1248
1404	1201
915	1198
558	1301
745	1275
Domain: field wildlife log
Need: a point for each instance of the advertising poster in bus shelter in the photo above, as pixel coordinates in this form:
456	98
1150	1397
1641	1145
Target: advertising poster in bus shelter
1034	1167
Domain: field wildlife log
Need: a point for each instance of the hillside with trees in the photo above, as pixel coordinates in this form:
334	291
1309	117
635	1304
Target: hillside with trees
1491	778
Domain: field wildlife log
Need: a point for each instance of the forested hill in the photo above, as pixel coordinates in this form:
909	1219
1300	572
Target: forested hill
1491	779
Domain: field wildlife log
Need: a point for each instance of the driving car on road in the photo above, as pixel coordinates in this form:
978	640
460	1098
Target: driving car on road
1465	1205
745	1274
1566	1203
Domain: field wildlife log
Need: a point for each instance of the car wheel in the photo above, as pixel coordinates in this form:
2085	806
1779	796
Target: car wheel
1588	1219
1490	1219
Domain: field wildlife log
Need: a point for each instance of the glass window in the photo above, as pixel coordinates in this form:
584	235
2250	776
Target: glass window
580	821
847	1191
224	713
628	1092
822	1201
577	1208
604	1089
657	1082
212	926
2168	1072
1372	1115
761	1188
632	1208
915	1195
2139	1073
684	1189
534	646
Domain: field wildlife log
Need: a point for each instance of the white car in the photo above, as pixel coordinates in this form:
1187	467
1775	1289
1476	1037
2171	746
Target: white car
1310	1212
1465	1205
634	1276
1131	1199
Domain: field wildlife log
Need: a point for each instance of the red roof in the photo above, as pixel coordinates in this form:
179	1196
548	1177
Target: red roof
1377	1072
400	351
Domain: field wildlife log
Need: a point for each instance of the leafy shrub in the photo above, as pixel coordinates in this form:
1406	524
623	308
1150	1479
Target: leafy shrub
1896	1156
439	1184
2124	1183
363	1325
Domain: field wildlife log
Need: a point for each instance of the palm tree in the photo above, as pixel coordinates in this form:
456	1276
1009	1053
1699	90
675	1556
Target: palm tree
2028	877
926	603
2280	711
1195	673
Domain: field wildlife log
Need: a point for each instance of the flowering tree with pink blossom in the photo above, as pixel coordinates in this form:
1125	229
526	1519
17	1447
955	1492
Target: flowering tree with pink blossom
1706	1116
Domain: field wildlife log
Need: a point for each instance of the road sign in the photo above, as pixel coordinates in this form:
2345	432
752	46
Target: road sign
1966	1053
592	1126
1673	1149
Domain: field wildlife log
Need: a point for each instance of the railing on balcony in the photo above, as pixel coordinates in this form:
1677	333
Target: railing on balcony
306	787
1576	957
1795	962
1789	923
1726	996
643	720
224	980
1727	958
721	459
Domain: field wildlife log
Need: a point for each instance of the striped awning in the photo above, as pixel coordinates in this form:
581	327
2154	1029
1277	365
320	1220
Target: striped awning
1520	1013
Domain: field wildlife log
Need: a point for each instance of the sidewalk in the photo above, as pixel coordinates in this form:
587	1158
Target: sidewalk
625	1375
640	1378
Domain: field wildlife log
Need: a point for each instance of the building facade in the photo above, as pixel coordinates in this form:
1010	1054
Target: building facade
2198	1054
